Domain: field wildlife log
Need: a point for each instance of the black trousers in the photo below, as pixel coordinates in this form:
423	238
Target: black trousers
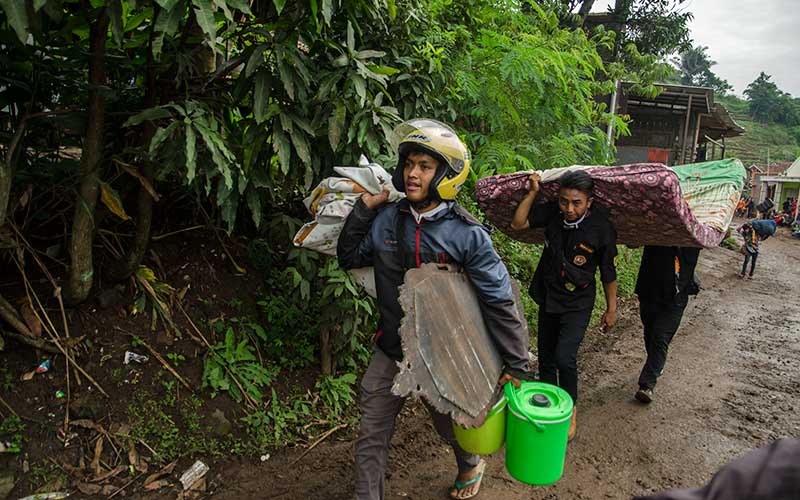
559	337
747	257
660	321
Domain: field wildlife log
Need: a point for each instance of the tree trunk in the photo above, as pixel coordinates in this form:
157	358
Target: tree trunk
126	266
81	270
326	350
586	7
622	9
7	167
5	190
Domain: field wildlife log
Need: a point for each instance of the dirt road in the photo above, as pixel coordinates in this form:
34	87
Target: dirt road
731	384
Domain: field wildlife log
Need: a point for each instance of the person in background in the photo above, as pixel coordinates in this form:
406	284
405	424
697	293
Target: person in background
754	232
665	282
579	239
751	206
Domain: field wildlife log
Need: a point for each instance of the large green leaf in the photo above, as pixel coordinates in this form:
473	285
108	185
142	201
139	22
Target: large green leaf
114	10
166	25
382	70
38	4
301	145
283	148
303	124
369	54
204	13
336	125
240	5
255	60
287	77
191	153
254	204
263	86
279	5
156	113
327	11
361	87
286	122
17	17
159	137
351	37
167	5
224	7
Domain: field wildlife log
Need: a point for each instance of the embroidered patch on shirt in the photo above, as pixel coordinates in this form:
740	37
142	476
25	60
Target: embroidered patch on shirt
569	286
585	248
579	260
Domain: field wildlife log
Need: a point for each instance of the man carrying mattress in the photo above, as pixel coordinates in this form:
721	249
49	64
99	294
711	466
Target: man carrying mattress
579	240
428	226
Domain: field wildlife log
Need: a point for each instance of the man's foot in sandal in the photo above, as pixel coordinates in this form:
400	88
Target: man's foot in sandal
468	484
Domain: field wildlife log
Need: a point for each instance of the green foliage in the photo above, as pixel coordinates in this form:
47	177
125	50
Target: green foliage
233	363
280	423
337	393
176	358
657	27
770	104
172	427
45	474
694	68
11	429
6	379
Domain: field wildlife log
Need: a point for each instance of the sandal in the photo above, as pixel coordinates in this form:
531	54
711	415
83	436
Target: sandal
458	486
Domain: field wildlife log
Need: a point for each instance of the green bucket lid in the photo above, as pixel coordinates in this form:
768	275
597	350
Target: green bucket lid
537	401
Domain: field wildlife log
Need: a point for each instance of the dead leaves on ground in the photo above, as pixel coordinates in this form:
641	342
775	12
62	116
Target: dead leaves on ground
113	452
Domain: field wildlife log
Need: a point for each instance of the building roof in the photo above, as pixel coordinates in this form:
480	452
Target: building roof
716	122
674	98
774	167
720	124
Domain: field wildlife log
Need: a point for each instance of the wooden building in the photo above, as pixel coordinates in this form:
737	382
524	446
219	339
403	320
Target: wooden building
681	125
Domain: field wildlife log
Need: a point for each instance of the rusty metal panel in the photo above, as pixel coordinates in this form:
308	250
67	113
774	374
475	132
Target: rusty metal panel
449	356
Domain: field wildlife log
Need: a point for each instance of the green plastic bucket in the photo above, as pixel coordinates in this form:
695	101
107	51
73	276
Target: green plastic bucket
536	432
489	437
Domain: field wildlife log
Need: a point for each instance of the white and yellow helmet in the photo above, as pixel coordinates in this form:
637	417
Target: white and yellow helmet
431	137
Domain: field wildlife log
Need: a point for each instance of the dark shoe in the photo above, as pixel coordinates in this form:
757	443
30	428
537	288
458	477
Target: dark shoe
644	395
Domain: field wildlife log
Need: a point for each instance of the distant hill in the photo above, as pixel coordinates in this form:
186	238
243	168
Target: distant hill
782	142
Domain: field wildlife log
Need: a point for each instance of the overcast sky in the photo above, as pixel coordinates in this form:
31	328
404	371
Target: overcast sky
746	37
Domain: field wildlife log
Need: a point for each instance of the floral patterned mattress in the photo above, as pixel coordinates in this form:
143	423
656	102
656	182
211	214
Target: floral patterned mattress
650	204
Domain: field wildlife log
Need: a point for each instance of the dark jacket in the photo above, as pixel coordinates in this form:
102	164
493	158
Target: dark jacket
391	240
564	279
771	473
658	282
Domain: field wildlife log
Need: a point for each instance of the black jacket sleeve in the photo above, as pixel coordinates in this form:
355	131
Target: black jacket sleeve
355	246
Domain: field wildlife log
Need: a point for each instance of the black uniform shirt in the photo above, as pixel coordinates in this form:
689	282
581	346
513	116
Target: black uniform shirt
564	279
658	282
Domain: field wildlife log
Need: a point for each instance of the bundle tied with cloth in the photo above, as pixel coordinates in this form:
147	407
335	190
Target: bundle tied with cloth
332	201
649	203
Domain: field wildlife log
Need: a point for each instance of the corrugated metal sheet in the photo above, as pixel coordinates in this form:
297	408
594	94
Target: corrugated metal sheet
449	356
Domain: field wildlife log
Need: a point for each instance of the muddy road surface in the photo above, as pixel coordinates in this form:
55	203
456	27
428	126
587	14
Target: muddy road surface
731	384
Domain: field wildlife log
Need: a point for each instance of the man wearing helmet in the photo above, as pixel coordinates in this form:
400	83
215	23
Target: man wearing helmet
427	226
